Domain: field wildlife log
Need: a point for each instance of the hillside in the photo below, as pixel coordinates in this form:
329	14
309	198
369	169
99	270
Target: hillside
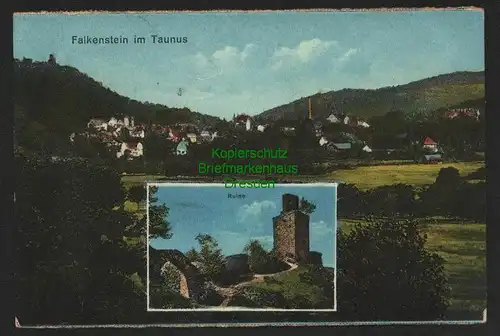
63	99
417	97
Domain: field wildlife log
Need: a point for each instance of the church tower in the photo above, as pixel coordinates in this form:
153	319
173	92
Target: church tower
291	231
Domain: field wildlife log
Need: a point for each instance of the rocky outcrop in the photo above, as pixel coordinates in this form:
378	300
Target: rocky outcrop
192	284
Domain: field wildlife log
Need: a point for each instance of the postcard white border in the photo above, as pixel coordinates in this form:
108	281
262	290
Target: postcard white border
241	309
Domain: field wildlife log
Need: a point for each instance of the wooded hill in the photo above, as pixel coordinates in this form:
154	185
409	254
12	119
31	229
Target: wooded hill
62	99
420	97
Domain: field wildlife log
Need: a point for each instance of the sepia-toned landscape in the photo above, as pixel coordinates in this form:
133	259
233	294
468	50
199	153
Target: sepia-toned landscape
391	106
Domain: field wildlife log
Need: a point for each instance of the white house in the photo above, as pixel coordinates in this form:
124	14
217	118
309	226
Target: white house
126	122
206	135
113	122
323	141
191	137
214	135
135	149
346	120
430	145
367	149
332	118
182	147
117	131
363	124
138	133
99	124
248	124
261	128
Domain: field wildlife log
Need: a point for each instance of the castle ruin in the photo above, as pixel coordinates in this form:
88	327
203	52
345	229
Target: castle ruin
291	231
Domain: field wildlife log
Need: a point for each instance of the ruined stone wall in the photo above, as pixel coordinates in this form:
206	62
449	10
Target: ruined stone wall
291	235
175	279
284	235
190	282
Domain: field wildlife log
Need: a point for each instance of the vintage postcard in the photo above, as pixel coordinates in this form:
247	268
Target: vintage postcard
156	148
271	249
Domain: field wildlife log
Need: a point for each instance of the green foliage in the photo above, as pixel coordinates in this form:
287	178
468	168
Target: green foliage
390	200
414	98
137	194
73	265
315	258
389	256
261	261
265	298
159	227
258	257
193	255
163	297
44	94
210	256
307	206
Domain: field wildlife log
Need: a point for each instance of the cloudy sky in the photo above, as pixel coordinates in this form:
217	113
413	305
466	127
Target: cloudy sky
233	222
250	62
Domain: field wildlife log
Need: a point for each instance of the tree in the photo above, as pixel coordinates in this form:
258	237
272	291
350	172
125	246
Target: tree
210	256
440	197
193	255
386	273
349	200
159	227
73	265
137	194
258	257
307	206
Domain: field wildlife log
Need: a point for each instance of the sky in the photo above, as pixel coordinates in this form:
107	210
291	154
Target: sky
234	222
249	62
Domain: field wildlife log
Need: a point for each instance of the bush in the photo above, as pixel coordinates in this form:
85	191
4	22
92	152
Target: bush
440	198
209	296
240	300
315	258
385	273
479	174
265	297
162	297
470	201
390	200
350	200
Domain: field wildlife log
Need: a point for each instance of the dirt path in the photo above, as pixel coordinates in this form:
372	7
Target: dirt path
229	292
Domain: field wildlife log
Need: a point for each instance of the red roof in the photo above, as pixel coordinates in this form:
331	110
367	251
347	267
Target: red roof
132	145
429	141
242	117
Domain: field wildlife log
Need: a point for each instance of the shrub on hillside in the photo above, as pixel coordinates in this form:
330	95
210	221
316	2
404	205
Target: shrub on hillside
470	201
265	297
163	297
386	273
262	261
390	200
479	174
350	200
440	198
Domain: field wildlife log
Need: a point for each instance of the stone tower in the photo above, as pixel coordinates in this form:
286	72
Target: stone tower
291	230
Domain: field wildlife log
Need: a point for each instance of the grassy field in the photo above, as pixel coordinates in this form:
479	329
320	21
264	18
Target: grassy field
463	247
416	174
365	177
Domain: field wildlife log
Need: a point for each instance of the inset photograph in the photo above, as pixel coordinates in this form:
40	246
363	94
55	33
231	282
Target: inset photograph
218	248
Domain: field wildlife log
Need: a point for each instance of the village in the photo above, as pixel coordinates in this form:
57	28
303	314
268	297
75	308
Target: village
125	139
